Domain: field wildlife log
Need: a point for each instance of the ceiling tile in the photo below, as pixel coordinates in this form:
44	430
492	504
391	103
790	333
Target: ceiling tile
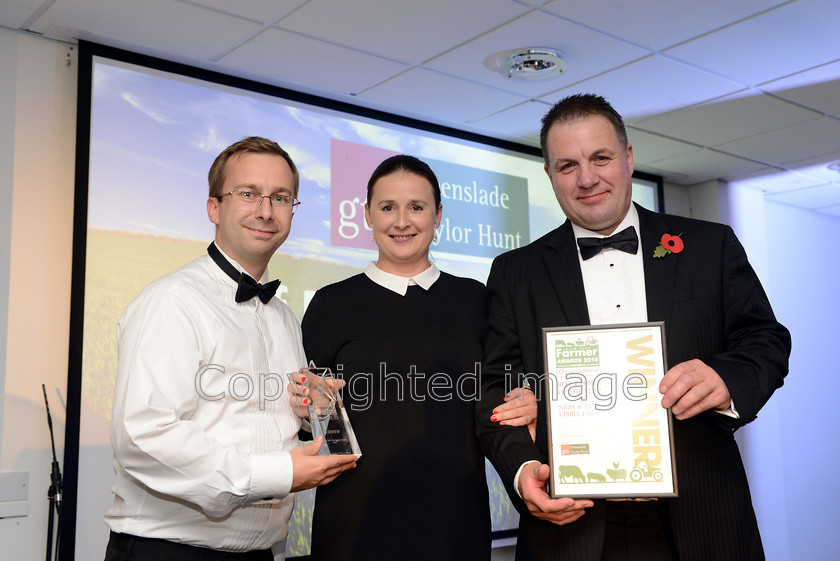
411	32
14	14
657	24
775	181
337	67
587	53
789	144
265	11
521	121
816	88
817	167
832	210
769	46
163	25
641	89
811	197
703	165
693	93
727	118
648	148
436	94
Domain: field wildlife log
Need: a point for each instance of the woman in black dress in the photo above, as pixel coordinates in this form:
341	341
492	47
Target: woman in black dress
407	339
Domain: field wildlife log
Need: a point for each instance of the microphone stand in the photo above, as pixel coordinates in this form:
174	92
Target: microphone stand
54	493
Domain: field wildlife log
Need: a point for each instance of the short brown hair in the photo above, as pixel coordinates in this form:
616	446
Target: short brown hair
254	144
576	107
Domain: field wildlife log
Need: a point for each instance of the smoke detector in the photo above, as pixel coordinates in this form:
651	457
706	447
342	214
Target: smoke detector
529	64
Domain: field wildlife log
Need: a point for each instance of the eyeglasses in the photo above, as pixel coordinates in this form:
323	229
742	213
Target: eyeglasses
251	197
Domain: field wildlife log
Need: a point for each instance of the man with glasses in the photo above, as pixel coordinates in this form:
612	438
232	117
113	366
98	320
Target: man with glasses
205	442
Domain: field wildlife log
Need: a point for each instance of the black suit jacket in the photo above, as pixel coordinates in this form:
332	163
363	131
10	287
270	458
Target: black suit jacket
714	309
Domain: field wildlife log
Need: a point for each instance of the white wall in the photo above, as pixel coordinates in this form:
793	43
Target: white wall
790	450
37	152
793	447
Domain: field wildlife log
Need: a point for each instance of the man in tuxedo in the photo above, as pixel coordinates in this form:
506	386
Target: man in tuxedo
726	351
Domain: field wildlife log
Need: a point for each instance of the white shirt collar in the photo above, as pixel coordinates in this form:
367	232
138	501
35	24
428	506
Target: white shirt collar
262	280
630	219
399	284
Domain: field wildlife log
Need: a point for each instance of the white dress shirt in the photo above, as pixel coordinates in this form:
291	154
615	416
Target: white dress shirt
614	280
202	425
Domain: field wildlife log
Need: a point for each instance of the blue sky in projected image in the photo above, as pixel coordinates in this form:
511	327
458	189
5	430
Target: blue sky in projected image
154	136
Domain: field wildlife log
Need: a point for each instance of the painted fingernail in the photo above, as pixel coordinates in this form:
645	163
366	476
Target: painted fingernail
306	401
302	379
493	418
503	423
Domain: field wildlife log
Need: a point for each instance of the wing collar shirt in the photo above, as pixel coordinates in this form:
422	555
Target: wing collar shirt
400	284
614	281
202	425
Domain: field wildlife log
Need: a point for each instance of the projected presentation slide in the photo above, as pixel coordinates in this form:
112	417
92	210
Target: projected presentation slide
153	136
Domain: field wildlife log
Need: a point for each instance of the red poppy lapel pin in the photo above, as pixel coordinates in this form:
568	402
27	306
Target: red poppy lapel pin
669	244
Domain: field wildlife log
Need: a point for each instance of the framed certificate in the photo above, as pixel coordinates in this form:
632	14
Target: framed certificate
609	436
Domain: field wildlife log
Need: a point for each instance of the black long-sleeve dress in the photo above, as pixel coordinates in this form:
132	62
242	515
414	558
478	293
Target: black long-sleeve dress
412	366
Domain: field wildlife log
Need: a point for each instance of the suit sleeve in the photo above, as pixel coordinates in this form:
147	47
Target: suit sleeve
757	347
506	447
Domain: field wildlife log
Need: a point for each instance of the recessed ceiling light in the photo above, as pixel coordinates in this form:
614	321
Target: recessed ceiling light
532	63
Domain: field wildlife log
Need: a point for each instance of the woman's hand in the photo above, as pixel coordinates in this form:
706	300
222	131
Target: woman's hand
305	387
519	409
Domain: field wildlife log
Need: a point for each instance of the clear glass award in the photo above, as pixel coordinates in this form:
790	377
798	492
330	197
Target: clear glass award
327	415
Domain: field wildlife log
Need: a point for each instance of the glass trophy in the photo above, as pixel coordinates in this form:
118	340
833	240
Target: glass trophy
327	415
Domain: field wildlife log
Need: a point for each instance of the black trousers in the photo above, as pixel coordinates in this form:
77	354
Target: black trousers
638	531
126	547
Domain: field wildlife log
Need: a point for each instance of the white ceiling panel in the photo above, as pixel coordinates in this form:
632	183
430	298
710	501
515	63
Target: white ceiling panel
703	165
522	121
700	82
727	118
832	210
587	53
15	13
817	88
154	24
404	30
810	197
775	44
433	93
818	167
268	54
648	148
789	144
656	24
263	11
776	181
638	90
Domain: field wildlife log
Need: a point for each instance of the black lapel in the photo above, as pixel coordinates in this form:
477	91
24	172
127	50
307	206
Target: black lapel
659	271
563	267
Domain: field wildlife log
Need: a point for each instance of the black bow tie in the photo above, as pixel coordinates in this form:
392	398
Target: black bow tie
248	287
626	240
